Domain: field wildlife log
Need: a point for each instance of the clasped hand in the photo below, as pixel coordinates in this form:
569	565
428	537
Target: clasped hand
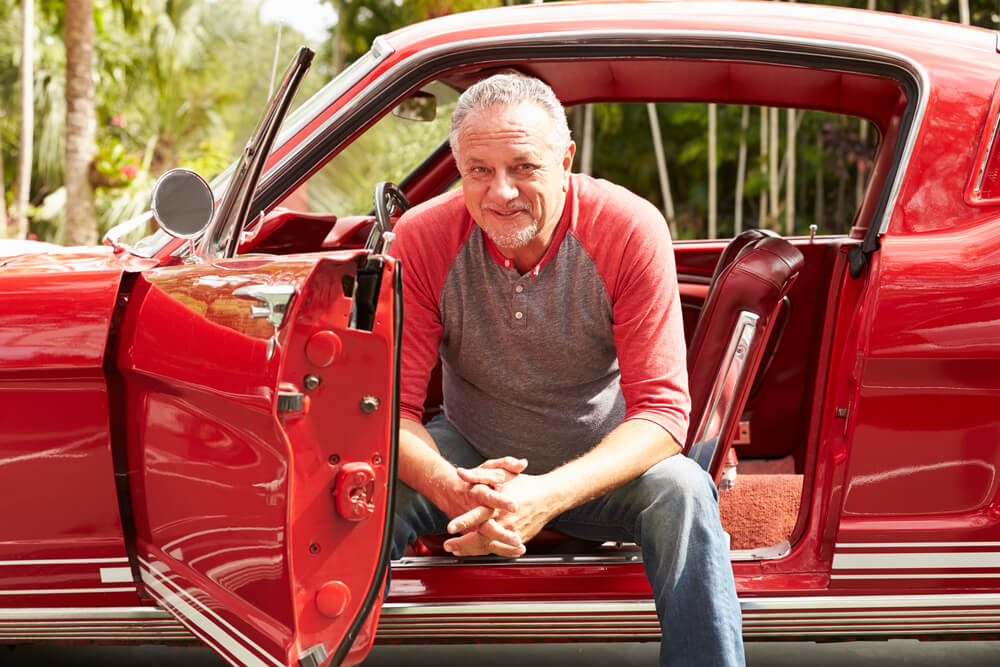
511	510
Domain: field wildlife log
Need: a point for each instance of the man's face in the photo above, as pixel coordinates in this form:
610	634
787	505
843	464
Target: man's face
513	181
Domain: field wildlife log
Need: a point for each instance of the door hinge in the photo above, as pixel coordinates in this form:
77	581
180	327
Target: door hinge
314	656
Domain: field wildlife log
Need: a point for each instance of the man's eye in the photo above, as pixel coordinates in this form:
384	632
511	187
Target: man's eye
526	168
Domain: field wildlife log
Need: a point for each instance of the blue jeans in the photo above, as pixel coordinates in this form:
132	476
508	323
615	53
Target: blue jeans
671	511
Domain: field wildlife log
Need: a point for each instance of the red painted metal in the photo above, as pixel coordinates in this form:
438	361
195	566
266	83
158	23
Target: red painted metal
884	389
59	516
236	502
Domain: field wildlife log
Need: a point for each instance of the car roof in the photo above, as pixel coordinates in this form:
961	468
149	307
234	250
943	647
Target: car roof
927	41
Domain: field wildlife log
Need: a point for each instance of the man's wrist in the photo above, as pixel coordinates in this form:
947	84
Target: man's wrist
558	487
443	486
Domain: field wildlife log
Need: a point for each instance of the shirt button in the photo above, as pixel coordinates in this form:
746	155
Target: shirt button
519	289
518	315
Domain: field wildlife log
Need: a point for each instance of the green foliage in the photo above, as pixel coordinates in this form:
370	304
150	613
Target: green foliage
182	83
388	151
178	82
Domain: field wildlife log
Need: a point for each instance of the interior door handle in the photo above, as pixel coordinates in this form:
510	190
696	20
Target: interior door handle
274	300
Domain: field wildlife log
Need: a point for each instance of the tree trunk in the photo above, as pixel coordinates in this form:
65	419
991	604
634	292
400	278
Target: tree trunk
3	200
338	37
587	149
26	149
764	143
741	171
790	175
862	167
81	124
819	213
661	168
963	12
713	223
838	210
774	175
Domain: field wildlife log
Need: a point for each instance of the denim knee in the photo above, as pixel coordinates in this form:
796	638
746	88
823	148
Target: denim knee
677	492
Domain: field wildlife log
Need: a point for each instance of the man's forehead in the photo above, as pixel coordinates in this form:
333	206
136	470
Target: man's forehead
524	116
521	128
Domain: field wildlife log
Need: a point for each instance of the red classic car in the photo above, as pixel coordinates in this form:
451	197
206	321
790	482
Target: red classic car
199	430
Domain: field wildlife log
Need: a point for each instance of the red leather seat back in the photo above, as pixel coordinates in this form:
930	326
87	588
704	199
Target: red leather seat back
752	278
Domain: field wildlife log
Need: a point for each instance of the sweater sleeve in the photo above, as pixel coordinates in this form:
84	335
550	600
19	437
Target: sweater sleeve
427	238
635	256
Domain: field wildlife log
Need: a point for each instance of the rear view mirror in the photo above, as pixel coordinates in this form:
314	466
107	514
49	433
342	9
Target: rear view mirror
183	203
419	106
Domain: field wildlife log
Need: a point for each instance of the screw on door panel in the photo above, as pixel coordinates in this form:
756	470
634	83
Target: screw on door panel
369	404
310	382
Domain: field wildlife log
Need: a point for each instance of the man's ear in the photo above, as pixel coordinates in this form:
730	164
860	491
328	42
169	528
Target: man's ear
567	164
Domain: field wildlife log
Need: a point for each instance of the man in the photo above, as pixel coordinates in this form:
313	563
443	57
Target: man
551	299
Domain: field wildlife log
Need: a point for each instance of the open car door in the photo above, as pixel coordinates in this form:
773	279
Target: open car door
259	395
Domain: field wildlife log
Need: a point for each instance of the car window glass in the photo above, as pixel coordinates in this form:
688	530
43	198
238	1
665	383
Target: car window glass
833	159
387	151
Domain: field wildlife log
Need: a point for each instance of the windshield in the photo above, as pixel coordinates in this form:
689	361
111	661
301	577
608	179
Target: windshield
295	121
389	150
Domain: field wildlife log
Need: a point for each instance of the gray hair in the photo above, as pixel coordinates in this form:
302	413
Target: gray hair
507	90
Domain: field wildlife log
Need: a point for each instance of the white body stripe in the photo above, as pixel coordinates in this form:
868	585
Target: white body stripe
915	560
221	632
63	561
116	575
849	557
66	591
915	545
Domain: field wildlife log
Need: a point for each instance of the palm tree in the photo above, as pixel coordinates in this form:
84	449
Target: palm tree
81	124
26	145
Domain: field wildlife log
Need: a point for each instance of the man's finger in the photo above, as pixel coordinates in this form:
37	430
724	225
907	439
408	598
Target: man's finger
506	550
508	463
484	495
472	519
471	544
494	532
474	544
482	475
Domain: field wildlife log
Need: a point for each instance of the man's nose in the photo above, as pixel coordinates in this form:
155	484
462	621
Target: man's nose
503	187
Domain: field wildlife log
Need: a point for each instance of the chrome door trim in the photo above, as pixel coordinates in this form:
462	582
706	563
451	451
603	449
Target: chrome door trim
722	395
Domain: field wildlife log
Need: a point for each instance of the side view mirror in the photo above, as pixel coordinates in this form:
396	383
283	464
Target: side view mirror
183	203
418	106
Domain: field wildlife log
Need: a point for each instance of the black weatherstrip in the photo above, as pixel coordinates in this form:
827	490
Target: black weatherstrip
390	500
117	419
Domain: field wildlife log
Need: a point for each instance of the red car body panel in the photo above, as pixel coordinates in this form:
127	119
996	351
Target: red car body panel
57	314
232	491
148	458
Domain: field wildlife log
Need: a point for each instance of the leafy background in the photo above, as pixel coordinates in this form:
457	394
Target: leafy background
181	83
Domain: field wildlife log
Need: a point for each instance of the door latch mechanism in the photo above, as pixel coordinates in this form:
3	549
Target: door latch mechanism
355	491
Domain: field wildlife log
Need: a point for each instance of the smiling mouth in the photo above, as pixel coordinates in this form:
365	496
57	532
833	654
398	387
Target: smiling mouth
507	213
